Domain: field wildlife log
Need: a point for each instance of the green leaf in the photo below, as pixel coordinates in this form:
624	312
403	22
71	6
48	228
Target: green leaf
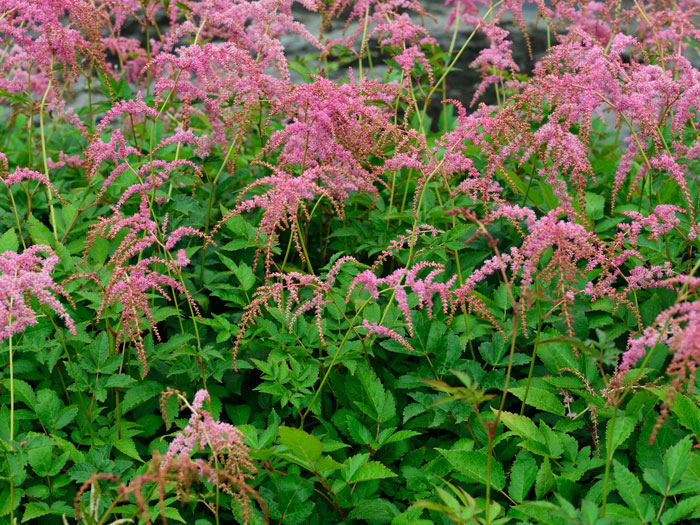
23	392
376	510
245	275
358	431
140	393
81	472
302	444
39	232
630	489
383	406
688	413
655	480
539	398
73	453
545	481
595	205
676	460
399	436
473	463
326	464
126	446
522	476
51	411
119	380
520	425
618	430
9	241
551	439
369	471
8	503
35	510
680	510
40	459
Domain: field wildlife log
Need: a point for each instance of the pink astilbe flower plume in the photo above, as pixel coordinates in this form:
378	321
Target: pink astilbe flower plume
286	291
28	275
677	327
223	443
287	197
129	283
495	60
22	174
402	280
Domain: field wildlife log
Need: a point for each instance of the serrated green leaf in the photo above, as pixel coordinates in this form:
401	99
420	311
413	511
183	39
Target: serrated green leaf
540	398
9	241
245	276
40	459
325	464
522	476
655	480
544	482
680	510
520	425
473	464
35	510
688	413
140	393
126	446
676	460
594	205
39	232
630	489
400	436
119	380
358	431
376	510
618	431
23	392
369	471
302	444
551	439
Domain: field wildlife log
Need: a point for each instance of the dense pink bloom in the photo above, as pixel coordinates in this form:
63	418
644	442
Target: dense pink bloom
678	327
23	276
494	60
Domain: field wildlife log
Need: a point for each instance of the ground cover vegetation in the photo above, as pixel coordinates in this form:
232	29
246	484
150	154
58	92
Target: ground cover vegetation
240	286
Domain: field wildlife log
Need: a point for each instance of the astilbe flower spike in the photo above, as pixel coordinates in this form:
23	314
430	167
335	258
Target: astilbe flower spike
178	473
293	284
677	327
129	283
22	174
226	449
28	275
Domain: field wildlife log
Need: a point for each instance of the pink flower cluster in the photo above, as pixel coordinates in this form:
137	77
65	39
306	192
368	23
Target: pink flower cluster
23	276
129	283
225	447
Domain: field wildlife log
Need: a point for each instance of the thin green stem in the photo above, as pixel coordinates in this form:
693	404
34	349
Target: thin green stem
332	363
52	212
532	358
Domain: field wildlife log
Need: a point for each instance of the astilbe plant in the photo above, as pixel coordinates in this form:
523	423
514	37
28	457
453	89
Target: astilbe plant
574	197
128	283
224	442
229	468
677	328
27	275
